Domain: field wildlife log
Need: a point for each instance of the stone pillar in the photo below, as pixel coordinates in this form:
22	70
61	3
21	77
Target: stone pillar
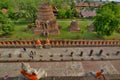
117	53
51	55
91	52
71	54
61	55
107	54
41	55
20	55
10	55
81	54
100	53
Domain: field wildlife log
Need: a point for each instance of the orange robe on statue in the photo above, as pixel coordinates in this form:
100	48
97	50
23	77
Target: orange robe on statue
98	74
38	42
29	76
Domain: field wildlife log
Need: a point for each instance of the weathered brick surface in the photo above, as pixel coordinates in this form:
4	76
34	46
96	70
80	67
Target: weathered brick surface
68	68
56	52
107	77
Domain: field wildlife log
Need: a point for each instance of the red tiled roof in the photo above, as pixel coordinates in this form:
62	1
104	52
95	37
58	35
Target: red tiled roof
85	4
79	4
88	14
91	5
97	5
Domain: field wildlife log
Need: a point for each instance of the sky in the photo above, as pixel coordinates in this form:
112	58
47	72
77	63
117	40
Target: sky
112	0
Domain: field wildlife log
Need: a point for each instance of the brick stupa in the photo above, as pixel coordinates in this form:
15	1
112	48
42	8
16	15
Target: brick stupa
46	22
74	26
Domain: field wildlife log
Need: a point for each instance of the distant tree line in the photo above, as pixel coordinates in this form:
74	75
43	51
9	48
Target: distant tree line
27	9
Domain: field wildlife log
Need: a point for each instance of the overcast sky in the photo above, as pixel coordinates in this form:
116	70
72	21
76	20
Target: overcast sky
112	0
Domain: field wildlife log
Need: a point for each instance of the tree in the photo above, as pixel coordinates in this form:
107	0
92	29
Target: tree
7	26
69	13
61	13
58	3
7	5
107	19
73	5
76	12
27	9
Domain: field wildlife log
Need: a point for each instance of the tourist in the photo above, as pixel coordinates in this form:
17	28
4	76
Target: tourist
24	49
31	53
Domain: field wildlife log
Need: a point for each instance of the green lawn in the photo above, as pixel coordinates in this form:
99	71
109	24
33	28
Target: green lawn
83	34
114	36
20	34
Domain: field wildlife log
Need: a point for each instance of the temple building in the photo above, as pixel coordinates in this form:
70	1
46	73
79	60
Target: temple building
46	22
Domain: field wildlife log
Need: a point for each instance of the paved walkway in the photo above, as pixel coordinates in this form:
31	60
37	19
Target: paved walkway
71	68
63	68
107	77
107	53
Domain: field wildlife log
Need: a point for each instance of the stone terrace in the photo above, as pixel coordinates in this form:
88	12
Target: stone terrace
62	68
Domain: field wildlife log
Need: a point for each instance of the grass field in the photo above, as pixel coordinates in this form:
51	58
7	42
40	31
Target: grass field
20	34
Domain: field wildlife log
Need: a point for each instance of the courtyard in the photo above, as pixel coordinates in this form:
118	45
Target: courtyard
61	68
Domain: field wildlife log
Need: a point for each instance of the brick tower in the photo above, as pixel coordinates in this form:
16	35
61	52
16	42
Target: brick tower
46	22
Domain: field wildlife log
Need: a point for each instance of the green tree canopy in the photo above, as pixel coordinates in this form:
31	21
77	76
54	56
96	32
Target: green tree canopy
73	5
62	13
6	25
69	13
107	19
27	9
9	5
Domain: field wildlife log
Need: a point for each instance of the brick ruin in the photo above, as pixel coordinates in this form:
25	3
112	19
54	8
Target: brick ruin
74	26
46	22
91	27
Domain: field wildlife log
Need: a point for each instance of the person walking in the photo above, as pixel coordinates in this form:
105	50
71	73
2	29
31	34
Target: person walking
24	49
